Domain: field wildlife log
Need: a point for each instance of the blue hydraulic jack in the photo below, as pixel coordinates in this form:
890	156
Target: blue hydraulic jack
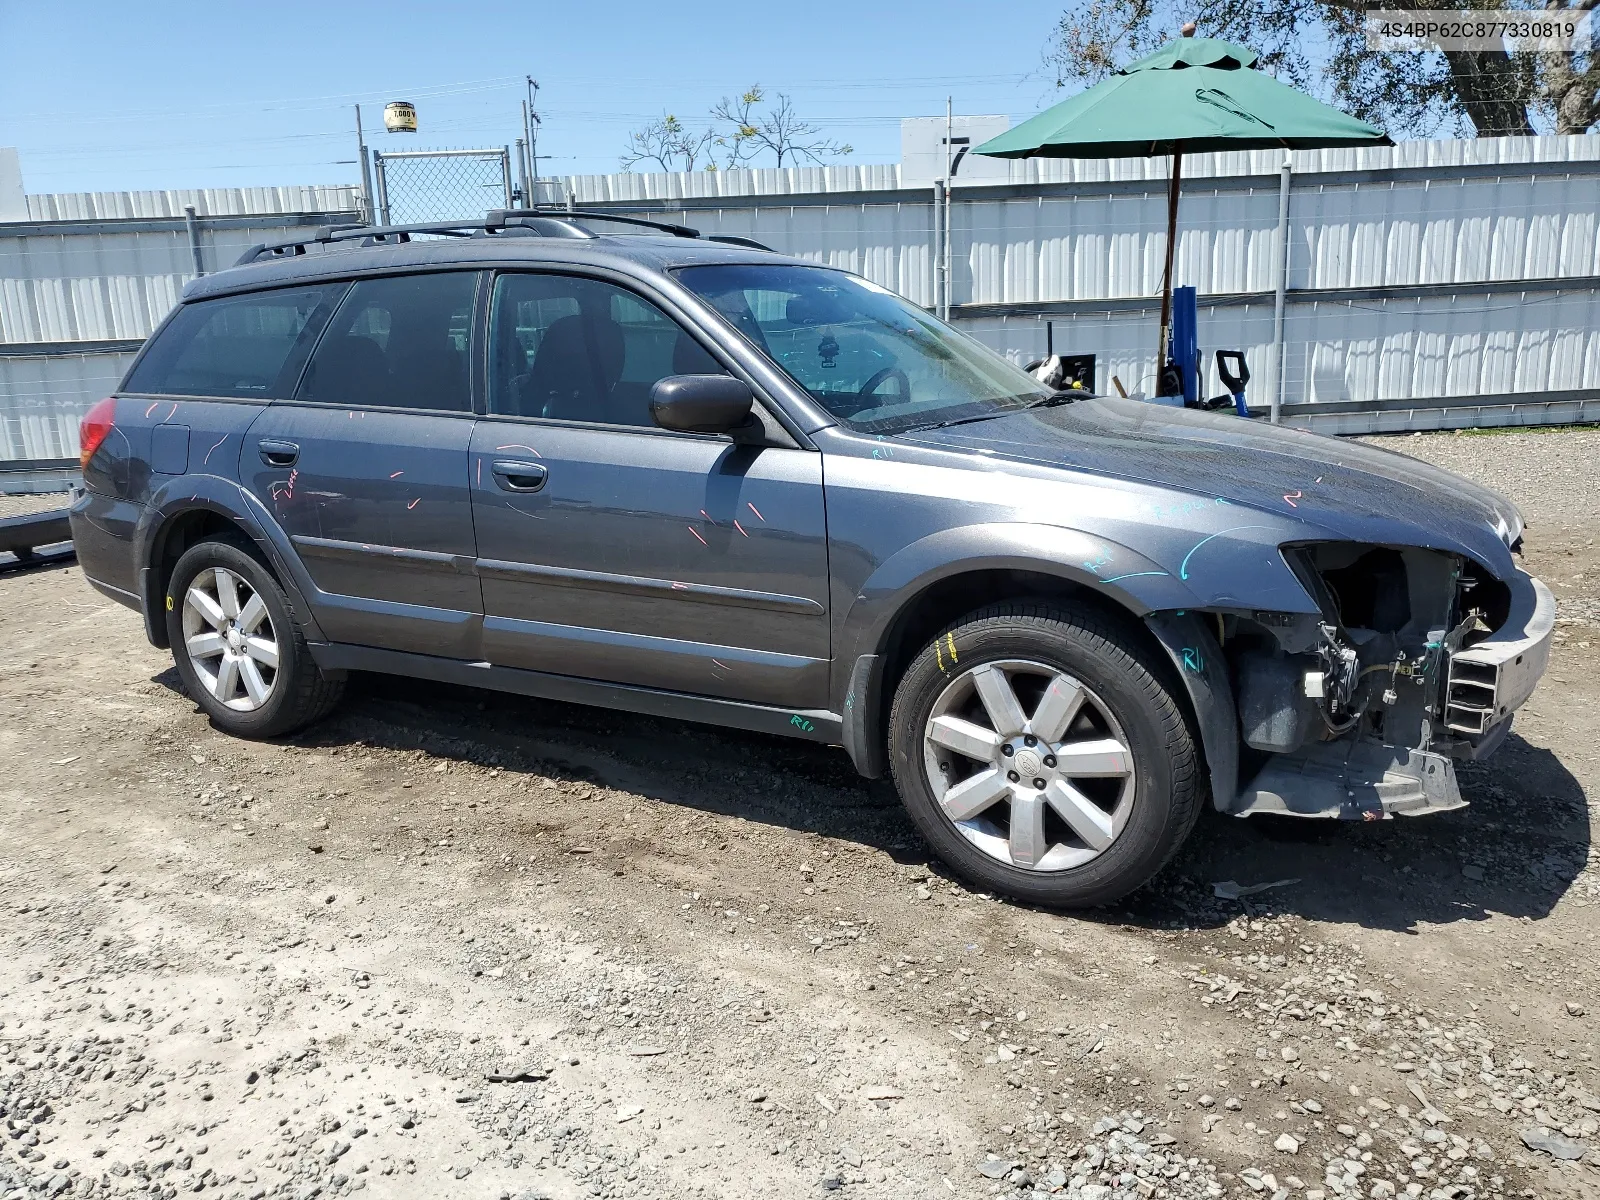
1181	374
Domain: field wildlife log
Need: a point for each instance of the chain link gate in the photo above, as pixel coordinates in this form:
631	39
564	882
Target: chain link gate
414	186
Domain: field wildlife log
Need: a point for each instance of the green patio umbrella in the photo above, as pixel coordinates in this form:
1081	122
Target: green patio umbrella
1192	95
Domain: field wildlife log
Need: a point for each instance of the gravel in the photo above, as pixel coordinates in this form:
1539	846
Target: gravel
1549	474
28	504
548	951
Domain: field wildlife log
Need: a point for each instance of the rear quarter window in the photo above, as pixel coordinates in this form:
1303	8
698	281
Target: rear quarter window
244	347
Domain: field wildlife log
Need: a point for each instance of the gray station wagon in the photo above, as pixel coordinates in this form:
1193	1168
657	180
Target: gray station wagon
617	463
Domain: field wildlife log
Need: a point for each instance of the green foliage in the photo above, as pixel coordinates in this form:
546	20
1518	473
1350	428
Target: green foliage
1319	46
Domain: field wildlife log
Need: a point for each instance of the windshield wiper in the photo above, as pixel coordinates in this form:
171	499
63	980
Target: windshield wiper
1065	396
988	416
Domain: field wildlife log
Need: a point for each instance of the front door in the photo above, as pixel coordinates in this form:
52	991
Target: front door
367	471
611	549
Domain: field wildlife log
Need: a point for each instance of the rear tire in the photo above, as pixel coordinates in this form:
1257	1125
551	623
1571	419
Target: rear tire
237	647
1084	785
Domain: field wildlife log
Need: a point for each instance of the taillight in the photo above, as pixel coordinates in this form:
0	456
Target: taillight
94	429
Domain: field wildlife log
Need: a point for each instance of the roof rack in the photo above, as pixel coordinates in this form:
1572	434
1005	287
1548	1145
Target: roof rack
501	217
540	222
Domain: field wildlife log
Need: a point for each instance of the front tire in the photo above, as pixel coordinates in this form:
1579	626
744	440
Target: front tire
1043	757
238	649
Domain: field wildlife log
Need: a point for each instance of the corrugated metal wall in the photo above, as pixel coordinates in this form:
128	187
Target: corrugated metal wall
1430	284
87	278
1448	282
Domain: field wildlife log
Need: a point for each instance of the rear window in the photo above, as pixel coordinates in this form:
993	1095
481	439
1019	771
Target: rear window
398	341
247	347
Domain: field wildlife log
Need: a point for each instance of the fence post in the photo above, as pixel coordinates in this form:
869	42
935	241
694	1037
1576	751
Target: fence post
1280	289
191	224
522	172
381	171
505	172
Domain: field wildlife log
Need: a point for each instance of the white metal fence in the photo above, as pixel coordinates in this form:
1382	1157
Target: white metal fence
1427	285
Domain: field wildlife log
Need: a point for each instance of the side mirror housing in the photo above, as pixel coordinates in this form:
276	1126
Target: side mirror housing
702	403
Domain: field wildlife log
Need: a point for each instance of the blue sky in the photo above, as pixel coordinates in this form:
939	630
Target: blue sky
107	95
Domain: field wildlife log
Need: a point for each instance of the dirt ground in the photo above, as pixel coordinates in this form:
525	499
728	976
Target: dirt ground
469	945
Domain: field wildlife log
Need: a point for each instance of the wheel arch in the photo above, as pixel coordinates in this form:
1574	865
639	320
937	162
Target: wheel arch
936	581
188	510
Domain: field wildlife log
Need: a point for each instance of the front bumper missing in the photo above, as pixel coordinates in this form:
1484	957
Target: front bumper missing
1361	779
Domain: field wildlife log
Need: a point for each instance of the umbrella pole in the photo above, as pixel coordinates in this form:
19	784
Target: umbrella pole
1166	278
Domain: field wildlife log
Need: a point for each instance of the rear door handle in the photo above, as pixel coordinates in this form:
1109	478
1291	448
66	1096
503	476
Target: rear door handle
276	453
516	476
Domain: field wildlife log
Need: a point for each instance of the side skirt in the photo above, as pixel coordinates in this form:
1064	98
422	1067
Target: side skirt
808	724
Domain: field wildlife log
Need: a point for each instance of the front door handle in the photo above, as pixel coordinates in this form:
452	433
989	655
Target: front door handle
516	476
276	453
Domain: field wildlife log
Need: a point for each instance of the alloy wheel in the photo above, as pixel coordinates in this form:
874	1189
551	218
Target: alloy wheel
1029	764
229	638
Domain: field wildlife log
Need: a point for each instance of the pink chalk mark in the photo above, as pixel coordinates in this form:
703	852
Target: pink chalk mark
516	446
397	475
740	528
414	503
207	458
722	664
754	509
480	473
154	404
1291	497
706	515
697	536
679	587
169	415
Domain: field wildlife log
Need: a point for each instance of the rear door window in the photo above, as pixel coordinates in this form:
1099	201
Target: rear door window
399	341
246	347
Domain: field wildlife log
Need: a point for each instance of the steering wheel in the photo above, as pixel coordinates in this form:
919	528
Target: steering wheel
880	377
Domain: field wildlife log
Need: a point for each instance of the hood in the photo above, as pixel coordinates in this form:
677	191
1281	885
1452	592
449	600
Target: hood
1342	490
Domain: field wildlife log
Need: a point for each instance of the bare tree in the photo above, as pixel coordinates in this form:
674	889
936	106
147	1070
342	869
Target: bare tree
667	143
743	133
1487	92
737	130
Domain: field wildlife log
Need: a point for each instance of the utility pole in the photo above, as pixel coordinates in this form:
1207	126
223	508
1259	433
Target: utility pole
366	170
949	132
530	122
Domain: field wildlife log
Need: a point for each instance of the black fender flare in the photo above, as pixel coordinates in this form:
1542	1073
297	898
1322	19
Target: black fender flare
186	494
1197	655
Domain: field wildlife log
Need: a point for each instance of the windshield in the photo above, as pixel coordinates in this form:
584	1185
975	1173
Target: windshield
877	362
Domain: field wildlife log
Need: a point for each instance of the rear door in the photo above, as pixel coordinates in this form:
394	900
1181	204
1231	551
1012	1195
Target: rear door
612	549
366	467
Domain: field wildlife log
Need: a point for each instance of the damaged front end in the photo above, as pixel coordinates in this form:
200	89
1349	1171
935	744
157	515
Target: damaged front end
1416	658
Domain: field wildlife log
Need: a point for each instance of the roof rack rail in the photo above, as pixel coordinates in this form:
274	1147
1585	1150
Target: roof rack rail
374	235
501	217
732	239
544	222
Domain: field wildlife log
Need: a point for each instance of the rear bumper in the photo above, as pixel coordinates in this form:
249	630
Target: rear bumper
103	535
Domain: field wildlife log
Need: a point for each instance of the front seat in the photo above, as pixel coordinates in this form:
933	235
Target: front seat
578	363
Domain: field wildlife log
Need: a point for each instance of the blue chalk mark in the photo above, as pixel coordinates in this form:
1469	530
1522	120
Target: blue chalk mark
800	723
1193	660
1131	575
1183	567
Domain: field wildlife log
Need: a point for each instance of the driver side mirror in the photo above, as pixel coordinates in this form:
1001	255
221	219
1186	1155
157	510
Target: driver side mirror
702	403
